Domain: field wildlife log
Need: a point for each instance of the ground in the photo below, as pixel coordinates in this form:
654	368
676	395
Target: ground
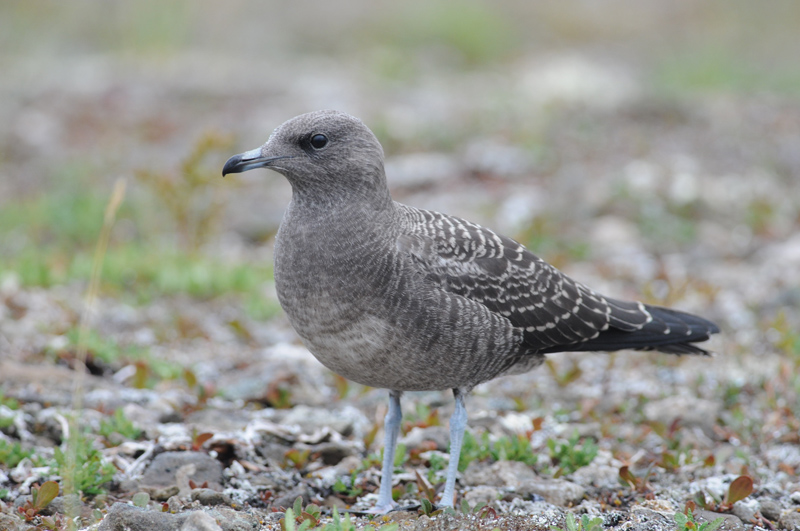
649	151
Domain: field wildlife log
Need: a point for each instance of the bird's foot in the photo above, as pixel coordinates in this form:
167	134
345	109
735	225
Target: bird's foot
382	508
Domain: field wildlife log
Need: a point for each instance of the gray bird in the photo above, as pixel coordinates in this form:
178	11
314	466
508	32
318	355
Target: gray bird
392	296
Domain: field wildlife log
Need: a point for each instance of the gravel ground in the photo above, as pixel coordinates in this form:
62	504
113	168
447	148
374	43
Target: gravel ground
691	202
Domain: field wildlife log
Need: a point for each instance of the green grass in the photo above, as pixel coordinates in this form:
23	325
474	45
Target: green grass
503	449
89	471
11	453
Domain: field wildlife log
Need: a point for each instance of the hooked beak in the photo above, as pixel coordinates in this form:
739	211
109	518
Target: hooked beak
249	160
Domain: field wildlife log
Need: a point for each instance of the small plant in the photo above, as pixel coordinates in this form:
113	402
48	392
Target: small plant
584	524
348	491
40	498
189	194
89	470
11	453
637	483
686	522
117	428
739	489
516	448
299	519
422	417
569	455
481	510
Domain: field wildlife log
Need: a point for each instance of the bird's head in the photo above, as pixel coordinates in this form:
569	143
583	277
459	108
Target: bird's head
321	152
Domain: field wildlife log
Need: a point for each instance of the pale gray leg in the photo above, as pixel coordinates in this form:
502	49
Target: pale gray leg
391	425
458	423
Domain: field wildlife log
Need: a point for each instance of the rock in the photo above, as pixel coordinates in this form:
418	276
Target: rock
790	520
731	523
162	472
210	497
287	499
232	520
13	523
770	509
499	474
124	517
555	491
746	509
482	494
644	519
200	521
795	497
67	505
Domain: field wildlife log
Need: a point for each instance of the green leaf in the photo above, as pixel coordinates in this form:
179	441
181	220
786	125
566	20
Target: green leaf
680	519
740	488
141	499
713	526
465	507
298	505
288	521
571	524
45	494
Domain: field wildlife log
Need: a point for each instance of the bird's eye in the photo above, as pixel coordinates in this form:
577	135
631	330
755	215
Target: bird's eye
319	141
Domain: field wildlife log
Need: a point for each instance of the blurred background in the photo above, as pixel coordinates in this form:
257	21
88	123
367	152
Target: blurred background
650	149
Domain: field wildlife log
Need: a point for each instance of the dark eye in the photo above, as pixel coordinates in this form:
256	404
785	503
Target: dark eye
319	141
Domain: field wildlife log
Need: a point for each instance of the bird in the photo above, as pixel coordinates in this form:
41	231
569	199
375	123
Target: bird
405	299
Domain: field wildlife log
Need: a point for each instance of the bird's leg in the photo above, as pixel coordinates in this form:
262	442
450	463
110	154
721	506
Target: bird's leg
458	423
391	425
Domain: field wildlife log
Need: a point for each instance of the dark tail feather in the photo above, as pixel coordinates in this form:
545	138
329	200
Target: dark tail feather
669	331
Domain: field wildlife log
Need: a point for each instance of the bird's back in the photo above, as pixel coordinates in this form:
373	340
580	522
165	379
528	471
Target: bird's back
554	312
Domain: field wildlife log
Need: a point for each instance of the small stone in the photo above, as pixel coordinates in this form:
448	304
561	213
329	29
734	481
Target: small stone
746	509
482	494
210	497
67	505
795	497
770	509
124	517
556	491
174	504
162	472
499	474
731	522
13	523
790	520
200	521
161	493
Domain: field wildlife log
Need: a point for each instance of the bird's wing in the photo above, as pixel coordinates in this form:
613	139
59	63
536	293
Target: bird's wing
556	312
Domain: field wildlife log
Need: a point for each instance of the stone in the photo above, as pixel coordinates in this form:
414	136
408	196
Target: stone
498	474
770	509
210	497
200	521
482	494
163	471
790	520
555	491
746	509
731	522
124	517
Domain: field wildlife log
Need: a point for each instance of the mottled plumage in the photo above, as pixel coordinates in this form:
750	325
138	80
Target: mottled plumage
406	299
